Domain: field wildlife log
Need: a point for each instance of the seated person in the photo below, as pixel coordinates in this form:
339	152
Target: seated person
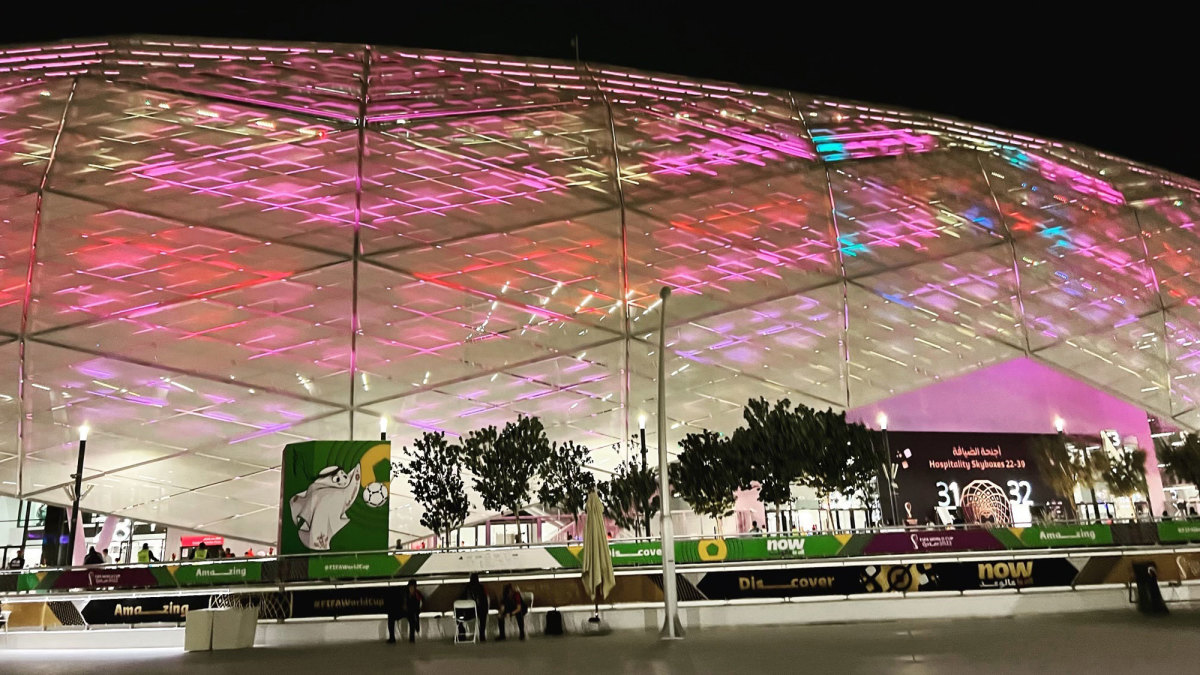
512	604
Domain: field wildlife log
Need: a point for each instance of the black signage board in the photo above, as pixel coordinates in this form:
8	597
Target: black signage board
344	601
908	578
941	468
169	609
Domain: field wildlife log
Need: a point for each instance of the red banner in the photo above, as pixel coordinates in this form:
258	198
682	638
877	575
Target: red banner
121	577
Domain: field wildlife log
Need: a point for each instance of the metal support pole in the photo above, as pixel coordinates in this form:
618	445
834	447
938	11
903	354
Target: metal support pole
671	627
645	467
75	496
890	474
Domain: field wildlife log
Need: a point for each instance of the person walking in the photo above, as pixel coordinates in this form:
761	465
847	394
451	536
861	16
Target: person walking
145	555
512	604
93	557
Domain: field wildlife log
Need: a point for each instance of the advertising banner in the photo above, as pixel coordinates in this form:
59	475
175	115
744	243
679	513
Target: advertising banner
738	549
906	578
985	474
338	602
1054	536
1170	531
335	496
170	609
217	573
117	577
363	566
932	541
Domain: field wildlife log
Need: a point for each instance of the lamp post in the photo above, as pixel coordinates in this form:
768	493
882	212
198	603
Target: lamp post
78	476
888	468
645	468
383	428
671	629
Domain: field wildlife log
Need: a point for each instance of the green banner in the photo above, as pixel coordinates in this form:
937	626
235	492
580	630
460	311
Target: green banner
717	549
1179	530
216	573
1054	536
365	566
335	496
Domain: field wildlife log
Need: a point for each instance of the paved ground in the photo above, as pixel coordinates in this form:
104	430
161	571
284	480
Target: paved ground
1077	643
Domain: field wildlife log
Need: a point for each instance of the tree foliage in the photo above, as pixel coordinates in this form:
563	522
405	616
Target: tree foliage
1183	460
505	462
565	481
1064	464
843	456
771	449
628	493
705	474
1125	473
434	469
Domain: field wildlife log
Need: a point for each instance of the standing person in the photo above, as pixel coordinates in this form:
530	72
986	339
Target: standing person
107	558
18	561
201	552
93	557
414	602
512	604
476	592
145	555
754	529
228	552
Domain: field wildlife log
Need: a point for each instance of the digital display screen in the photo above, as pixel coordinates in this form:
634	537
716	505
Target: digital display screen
977	477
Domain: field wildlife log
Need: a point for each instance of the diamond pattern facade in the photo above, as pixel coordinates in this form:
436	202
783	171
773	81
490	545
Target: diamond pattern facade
209	250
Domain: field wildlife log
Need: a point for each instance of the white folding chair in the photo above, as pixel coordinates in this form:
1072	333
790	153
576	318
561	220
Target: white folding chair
466	621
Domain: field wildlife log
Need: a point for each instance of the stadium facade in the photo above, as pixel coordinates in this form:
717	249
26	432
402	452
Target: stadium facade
211	249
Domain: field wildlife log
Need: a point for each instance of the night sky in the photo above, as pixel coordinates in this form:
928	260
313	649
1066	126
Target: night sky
1123	84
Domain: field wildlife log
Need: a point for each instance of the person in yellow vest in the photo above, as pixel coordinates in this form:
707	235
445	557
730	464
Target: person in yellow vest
145	555
201	552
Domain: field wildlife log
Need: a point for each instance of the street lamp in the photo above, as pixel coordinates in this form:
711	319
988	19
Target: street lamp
383	428
645	468
889	467
670	600
1059	424
78	476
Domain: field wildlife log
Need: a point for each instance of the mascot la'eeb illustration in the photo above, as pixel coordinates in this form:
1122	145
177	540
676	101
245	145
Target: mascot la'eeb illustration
335	496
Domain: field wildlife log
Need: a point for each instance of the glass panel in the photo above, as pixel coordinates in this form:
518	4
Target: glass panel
912	209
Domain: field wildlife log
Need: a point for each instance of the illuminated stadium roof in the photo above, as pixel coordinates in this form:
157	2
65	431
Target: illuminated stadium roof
212	249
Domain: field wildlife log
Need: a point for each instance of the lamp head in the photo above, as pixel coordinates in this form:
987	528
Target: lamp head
83	432
642	421
383	424
881	419
1059	424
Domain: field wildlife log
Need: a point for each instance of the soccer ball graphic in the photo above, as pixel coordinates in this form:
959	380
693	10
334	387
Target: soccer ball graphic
375	494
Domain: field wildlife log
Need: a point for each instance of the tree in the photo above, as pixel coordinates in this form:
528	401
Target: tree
434	469
506	462
843	456
1183	460
565	483
631	496
1125	473
703	475
1063	463
771	451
